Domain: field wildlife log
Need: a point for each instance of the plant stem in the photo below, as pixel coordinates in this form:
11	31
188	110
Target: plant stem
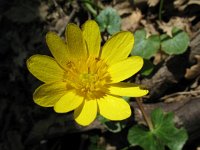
59	9
91	9
146	118
160	10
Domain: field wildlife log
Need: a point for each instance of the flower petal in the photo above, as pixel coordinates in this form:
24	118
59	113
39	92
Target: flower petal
58	48
75	41
45	68
114	108
125	69
127	89
92	37
86	113
47	95
68	102
118	47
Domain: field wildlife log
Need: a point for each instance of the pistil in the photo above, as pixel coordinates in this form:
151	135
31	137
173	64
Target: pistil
89	78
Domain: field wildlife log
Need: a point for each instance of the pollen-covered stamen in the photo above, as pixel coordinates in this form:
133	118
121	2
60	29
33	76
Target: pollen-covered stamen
88	77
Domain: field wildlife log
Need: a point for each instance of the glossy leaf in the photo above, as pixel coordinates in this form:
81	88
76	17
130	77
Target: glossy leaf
145	47
177	44
109	20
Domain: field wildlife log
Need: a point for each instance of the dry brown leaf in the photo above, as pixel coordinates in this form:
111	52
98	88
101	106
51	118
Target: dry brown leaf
152	3
43	11
195	85
138	116
110	147
123	7
159	57
61	23
181	23
194	2
179	3
182	4
193	71
166	27
132	21
175	98
149	27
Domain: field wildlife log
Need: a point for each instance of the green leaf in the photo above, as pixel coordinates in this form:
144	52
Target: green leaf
145	47
164	133
139	135
108	19
112	126
147	68
177	44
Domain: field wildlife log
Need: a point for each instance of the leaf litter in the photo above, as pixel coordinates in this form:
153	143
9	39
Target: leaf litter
30	20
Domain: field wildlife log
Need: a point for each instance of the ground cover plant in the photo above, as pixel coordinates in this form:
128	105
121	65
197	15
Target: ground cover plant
113	75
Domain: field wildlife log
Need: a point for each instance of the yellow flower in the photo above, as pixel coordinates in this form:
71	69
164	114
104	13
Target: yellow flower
84	77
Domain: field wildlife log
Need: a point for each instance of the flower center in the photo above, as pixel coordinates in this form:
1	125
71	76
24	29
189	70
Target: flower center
89	77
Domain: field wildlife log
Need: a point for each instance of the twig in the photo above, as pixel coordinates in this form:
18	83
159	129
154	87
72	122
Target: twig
60	10
65	24
63	15
181	93
160	10
146	118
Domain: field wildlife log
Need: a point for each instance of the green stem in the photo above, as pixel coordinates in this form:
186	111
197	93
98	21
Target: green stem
146	118
95	4
160	9
91	9
91	6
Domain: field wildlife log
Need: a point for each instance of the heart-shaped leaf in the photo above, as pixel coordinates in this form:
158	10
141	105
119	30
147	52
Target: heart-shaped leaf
108	19
145	47
177	44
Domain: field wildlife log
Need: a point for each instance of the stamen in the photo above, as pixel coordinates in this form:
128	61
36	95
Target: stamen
89	78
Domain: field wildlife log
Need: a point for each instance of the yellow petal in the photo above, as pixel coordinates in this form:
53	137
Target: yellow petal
58	48
114	108
75	41
127	89
118	47
47	95
45	68
68	102
125	69
86	113
92	37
